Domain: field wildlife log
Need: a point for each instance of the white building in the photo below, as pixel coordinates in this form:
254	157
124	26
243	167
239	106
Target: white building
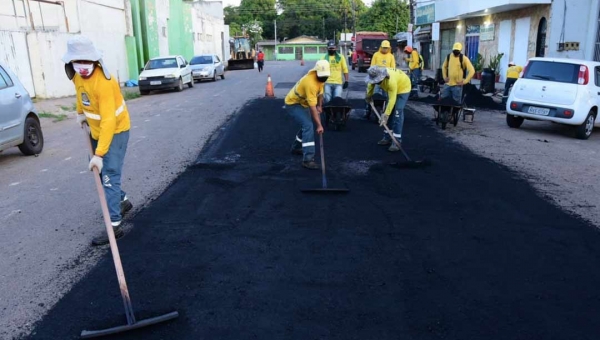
34	35
212	36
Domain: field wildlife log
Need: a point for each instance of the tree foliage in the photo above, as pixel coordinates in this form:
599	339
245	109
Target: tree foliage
315	17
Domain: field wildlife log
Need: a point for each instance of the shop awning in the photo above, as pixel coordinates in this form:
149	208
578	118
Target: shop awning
451	10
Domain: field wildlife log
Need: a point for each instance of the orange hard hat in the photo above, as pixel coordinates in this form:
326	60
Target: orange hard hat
408	49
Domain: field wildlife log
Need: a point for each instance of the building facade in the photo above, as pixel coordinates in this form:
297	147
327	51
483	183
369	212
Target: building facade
517	29
303	47
34	35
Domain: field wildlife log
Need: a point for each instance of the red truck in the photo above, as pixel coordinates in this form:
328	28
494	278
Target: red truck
367	43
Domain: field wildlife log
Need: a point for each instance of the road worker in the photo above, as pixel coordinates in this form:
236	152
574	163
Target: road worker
260	60
100	104
397	86
415	64
384	57
457	72
334	85
304	103
512	74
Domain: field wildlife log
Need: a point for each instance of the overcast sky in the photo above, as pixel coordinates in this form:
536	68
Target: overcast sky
237	2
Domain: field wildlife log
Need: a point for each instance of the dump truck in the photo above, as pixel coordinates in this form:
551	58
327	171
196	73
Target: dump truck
242	55
367	43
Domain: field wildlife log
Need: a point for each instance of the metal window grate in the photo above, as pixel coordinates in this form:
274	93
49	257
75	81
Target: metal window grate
597	47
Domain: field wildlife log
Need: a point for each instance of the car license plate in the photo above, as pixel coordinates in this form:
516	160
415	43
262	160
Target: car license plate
538	111
157	82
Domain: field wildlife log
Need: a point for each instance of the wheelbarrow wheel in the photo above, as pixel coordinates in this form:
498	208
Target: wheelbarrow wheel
456	114
443	118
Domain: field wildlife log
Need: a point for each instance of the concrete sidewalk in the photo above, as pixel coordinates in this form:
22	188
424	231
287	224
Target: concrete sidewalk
66	105
476	82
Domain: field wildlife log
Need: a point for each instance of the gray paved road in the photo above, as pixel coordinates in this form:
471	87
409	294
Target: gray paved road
49	209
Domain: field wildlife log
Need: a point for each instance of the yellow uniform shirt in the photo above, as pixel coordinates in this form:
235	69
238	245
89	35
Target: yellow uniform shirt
337	68
454	72
414	61
514	71
397	83
306	92
385	60
102	103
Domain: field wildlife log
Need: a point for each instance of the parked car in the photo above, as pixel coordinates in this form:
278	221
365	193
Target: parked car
207	66
564	91
19	122
165	73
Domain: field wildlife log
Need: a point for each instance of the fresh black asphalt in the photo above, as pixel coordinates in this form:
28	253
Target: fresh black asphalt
463	249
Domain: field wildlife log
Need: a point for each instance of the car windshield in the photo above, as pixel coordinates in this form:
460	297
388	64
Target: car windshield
204	59
552	71
161	63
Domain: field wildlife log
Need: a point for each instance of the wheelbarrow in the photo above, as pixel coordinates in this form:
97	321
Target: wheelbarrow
336	112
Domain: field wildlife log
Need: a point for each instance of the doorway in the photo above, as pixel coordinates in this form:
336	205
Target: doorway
540	47
448	37
472	47
426	54
299	54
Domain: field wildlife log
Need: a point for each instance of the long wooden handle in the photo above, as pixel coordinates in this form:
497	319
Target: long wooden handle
323	161
387	129
111	236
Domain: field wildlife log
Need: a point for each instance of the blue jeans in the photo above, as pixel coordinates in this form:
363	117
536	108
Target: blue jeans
111	173
454	91
396	119
415	77
332	91
305	138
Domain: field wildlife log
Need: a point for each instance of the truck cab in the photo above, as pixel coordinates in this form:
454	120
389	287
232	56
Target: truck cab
367	43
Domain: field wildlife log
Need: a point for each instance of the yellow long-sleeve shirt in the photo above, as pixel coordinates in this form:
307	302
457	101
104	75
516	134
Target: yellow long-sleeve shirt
514	71
306	92
337	68
384	60
397	83
414	61
453	71
102	103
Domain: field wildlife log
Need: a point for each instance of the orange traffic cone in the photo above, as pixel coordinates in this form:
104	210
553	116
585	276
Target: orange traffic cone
269	90
302	62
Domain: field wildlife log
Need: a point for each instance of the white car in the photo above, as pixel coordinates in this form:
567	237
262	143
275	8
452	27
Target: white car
165	73
564	91
19	123
207	66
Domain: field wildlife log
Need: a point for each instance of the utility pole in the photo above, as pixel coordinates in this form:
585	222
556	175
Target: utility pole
354	19
275	52
324	38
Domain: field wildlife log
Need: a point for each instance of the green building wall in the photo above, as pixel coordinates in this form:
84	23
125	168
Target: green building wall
181	38
308	52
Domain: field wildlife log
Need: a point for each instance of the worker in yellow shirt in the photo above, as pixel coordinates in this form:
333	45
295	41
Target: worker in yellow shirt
512	74
334	85
397	86
415	65
304	103
384	57
457	71
100	104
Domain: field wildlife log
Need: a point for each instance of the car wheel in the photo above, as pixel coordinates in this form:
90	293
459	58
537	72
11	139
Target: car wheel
33	140
191	83
584	131
223	75
144	93
179	87
514	121
214	76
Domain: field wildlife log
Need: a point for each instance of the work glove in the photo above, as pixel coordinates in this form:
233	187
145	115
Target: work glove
345	85
80	119
96	162
368	100
383	120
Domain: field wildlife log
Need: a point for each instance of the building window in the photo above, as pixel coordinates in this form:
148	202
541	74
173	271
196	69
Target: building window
323	49
540	49
286	50
310	50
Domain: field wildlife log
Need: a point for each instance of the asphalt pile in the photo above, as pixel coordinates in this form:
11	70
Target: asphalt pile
463	249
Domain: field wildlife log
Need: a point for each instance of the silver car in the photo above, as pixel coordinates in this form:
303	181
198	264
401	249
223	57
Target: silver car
19	123
207	66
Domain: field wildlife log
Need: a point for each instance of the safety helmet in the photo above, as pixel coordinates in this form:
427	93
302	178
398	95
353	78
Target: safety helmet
408	49
385	44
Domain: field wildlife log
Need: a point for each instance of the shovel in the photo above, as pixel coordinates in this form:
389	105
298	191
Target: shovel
131	322
409	164
324	189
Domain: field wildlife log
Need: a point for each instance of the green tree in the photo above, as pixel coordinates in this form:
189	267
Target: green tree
386	16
